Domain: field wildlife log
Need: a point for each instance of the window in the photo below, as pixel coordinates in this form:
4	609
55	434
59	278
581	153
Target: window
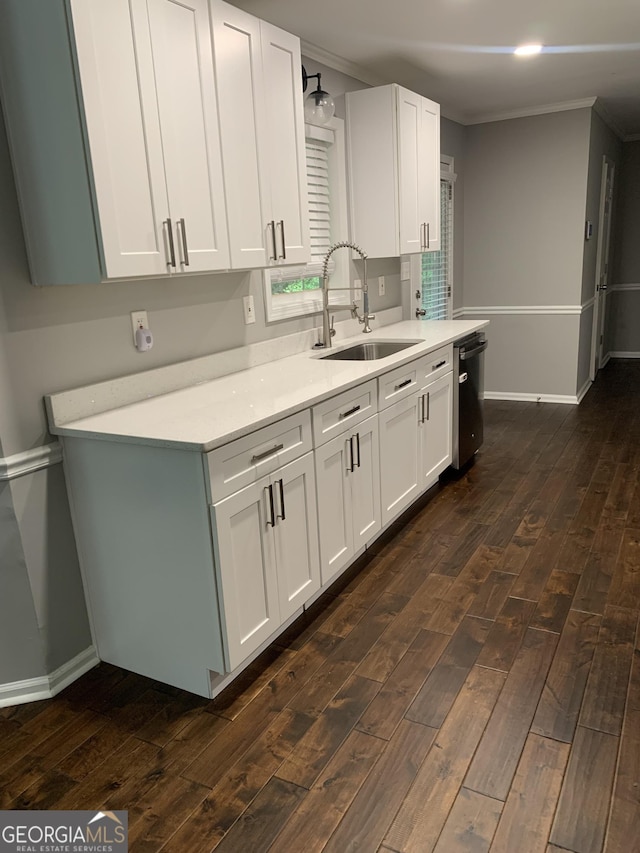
435	269
296	290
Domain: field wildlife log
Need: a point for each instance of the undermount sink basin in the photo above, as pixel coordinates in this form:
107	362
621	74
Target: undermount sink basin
370	350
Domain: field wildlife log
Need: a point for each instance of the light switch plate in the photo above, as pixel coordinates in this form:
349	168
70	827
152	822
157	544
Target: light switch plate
249	310
381	288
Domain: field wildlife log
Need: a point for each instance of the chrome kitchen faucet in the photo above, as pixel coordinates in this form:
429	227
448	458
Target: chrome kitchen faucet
327	328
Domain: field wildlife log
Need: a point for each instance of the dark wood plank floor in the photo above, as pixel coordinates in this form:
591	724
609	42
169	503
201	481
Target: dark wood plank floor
475	686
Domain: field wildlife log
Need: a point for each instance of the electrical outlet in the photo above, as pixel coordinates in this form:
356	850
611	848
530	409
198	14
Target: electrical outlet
249	310
405	270
380	285
138	321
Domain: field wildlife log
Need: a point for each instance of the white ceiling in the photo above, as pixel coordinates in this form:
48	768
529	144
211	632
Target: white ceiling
458	52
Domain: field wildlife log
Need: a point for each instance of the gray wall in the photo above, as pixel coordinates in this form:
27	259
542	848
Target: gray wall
525	191
63	337
623	305
453	142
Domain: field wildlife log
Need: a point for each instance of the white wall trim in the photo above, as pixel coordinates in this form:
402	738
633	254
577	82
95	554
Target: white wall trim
624	287
30	460
562	106
605	360
590	303
47	686
621	355
525	309
583	390
458	313
332	60
570	399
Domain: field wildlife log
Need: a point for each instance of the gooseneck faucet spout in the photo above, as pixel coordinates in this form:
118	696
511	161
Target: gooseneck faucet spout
365	317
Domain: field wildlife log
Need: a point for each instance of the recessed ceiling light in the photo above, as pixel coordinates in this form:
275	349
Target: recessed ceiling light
528	49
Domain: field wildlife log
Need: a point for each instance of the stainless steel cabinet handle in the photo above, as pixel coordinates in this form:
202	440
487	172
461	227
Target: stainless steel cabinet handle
271	522
185	250
348	412
352	465
260	456
404	384
284	250
172	248
423	235
281	484
428	236
428	403
422	409
272	225
358	447
439	364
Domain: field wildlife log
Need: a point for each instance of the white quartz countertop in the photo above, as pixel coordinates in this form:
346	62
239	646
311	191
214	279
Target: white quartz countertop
204	416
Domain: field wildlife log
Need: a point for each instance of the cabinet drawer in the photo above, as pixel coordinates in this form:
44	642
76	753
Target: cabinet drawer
435	365
399	383
241	462
340	413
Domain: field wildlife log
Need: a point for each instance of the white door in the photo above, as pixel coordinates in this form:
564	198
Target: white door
335	521
411	225
429	174
242	108
602	265
115	62
183	62
436	429
246	566
296	534
286	144
365	483
400	480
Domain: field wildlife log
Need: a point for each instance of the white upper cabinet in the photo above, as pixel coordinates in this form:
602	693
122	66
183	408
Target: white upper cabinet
394	165
146	74
258	77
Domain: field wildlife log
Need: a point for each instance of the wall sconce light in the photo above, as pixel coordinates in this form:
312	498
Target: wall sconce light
318	105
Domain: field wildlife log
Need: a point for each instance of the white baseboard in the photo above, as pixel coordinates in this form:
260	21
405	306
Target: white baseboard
584	390
620	355
516	396
47	686
605	360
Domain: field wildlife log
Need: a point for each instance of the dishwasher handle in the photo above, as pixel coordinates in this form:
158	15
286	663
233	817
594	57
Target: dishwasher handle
469	353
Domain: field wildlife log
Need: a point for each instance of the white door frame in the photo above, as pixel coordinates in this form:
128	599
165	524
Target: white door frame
602	265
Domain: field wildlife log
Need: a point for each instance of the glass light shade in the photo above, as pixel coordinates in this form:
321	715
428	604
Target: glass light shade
319	107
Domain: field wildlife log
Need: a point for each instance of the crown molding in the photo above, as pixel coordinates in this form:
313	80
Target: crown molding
562	106
606	117
337	63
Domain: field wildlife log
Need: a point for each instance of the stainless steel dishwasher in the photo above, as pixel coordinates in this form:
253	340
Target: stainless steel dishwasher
468	397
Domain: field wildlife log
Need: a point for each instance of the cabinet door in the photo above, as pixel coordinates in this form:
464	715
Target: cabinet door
400	480
429	173
246	566
365	483
296	534
183	63
410	188
285	144
115	63
335	521
436	428
241	103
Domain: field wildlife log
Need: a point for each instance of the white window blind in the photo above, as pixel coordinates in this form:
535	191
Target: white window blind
436	267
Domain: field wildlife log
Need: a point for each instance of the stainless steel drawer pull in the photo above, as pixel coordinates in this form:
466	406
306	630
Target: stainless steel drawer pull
260	456
284	250
283	516
349	412
439	364
183	231
272	225
272	510
172	248
404	384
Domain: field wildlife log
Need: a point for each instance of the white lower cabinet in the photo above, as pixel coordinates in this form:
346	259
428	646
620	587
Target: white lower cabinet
266	547
436	425
348	484
400	480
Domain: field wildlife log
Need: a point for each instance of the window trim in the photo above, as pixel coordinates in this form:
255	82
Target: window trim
286	306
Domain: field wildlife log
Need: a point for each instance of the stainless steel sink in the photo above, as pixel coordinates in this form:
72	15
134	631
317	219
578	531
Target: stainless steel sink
370	350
